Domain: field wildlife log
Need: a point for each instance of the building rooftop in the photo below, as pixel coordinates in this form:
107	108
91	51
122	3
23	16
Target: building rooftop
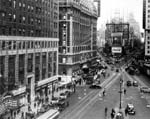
86	5
89	5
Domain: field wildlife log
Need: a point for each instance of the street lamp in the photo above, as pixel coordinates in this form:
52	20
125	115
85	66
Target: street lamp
121	81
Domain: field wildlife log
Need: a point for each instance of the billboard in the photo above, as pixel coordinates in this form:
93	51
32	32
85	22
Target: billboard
116	49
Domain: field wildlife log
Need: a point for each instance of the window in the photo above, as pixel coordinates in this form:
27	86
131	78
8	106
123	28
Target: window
10	3
9	45
19	44
64	60
23	19
3	14
10	16
28	8
32	8
14	3
23	6
20	4
10	29
14	18
20	18
23	32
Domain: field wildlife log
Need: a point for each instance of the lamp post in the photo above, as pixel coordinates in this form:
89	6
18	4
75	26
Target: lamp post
121	81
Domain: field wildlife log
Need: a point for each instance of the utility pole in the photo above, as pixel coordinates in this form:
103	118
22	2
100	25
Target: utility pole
121	81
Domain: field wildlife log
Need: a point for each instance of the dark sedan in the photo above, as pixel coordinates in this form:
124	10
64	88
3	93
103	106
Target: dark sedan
95	86
145	89
135	83
129	83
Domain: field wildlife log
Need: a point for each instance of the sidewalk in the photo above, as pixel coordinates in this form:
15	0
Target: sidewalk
36	107
121	110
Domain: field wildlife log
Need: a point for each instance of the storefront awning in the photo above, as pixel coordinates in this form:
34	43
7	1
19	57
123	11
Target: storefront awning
84	66
65	80
46	81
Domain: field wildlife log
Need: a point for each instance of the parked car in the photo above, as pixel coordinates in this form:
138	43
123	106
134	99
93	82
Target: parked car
68	93
95	86
112	68
145	89
129	83
117	70
130	109
89	82
54	100
119	115
62	105
62	95
135	83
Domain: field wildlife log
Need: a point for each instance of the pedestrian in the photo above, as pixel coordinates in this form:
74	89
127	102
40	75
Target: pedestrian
67	103
124	91
113	111
106	111
126	111
104	92
112	115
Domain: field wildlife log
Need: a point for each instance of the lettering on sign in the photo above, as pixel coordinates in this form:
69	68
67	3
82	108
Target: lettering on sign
116	49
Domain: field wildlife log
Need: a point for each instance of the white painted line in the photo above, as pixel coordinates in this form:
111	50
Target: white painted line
148	105
79	97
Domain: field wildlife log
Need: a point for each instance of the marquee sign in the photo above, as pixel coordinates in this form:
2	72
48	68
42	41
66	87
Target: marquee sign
116	49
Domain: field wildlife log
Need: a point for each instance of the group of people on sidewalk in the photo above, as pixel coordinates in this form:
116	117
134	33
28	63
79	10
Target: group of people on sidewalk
112	114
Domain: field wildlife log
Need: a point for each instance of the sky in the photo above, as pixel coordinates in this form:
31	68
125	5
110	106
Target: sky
120	8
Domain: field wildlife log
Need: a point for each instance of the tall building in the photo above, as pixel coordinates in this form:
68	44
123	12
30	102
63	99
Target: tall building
77	34
117	36
28	47
146	27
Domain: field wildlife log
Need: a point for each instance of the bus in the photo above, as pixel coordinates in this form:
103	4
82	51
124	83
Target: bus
50	114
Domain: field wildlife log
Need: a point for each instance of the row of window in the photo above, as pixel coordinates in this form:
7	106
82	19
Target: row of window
13	45
75	58
28	32
51	67
148	51
148	47
22	5
11	17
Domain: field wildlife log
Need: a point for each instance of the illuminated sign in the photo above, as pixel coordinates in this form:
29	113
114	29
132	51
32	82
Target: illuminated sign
116	49
116	34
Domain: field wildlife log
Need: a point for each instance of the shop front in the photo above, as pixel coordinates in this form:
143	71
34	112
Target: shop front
66	82
45	89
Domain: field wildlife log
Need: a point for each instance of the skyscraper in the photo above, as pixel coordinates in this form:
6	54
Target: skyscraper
28	47
77	34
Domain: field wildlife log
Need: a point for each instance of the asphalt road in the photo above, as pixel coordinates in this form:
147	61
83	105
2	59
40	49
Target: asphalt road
92	105
78	110
134	96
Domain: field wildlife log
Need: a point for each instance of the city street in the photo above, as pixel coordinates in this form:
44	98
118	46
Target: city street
85	103
93	106
134	96
74	59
